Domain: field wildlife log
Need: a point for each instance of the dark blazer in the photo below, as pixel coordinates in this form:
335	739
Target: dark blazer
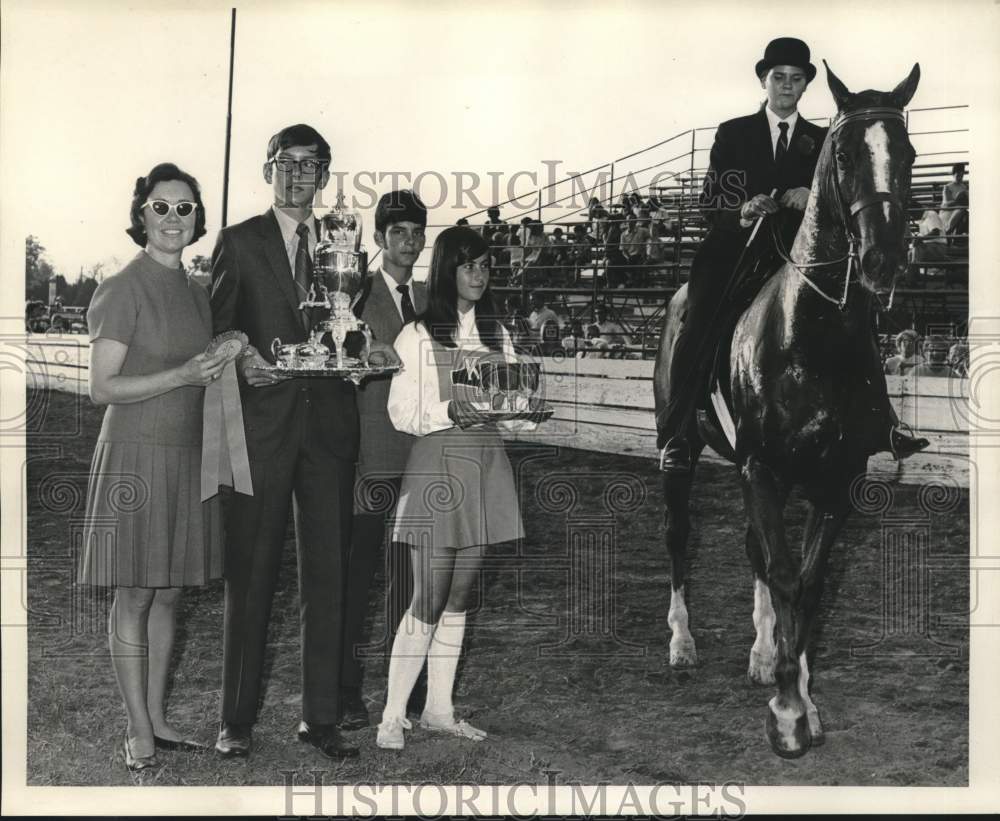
253	291
742	165
384	449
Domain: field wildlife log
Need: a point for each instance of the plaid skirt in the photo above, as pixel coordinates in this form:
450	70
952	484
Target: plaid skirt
458	491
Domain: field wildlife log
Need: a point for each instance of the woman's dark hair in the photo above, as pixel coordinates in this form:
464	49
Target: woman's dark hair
164	172
453	247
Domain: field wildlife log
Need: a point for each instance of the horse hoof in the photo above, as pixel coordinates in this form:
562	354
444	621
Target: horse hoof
760	670
816	728
788	735
683	654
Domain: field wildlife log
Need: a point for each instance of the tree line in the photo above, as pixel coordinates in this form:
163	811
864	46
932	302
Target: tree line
38	272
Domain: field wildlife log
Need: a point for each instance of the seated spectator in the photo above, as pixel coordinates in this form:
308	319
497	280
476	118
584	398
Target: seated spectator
657	246
611	332
581	250
500	253
574	343
955	202
597	346
958	358
515	256
598	216
906	358
493	216
615	263
537	252
517	323
559	249
929	245
544	324
633	246
935	362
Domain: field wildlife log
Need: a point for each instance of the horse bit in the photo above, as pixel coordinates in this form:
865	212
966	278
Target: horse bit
847	214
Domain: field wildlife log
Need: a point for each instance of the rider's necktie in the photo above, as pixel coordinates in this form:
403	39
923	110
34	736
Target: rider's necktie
782	147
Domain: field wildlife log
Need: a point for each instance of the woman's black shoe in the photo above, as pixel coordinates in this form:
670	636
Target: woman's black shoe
134	764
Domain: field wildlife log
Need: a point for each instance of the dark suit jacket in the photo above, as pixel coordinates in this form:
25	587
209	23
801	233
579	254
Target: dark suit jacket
742	166
384	449
253	291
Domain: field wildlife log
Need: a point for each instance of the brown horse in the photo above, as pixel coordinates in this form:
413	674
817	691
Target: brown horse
795	399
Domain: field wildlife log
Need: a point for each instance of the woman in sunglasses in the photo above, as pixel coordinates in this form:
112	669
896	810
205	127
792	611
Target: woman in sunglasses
458	493
148	535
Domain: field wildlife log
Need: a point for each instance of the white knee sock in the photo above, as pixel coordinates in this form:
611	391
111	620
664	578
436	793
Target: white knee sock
442	661
408	652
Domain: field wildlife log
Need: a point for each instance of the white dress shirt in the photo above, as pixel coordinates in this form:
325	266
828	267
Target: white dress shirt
288	226
773	120
772	123
415	405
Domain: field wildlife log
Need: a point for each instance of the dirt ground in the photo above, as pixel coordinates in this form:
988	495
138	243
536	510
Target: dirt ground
566	660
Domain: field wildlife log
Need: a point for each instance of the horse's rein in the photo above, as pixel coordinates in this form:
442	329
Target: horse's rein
852	257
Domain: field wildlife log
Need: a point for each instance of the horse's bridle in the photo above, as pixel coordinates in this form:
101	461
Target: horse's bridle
847	213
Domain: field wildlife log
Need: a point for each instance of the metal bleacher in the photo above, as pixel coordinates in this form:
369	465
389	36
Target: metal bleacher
671	171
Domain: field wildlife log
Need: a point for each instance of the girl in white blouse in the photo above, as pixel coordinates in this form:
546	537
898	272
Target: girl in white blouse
458	493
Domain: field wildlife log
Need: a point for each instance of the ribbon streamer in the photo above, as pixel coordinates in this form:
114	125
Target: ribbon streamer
224	458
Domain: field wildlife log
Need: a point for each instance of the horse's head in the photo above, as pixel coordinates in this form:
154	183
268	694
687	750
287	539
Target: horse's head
872	158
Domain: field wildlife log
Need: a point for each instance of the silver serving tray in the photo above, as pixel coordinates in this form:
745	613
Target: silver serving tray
355	371
504	415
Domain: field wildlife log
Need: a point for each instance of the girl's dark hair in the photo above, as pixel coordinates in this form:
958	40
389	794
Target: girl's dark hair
453	247
164	172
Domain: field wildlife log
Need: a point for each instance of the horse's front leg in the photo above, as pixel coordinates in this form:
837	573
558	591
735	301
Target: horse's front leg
787	723
822	526
763	654
677	521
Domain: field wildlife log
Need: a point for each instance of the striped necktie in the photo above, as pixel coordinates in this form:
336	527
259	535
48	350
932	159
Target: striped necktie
303	271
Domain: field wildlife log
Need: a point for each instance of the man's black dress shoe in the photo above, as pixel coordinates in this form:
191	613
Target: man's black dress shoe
676	456
353	713
326	738
181	744
233	740
903	445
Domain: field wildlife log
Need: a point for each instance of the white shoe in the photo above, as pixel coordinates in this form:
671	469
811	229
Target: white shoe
390	733
445	723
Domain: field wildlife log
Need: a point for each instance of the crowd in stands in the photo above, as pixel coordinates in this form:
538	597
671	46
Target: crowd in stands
940	244
544	332
632	243
932	355
625	248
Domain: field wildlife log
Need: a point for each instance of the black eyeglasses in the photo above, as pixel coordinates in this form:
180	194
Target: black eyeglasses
161	208
307	166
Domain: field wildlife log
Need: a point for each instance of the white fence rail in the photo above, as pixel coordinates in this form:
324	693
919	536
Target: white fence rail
606	405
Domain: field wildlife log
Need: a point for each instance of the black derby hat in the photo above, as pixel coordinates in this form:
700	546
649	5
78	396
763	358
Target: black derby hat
786	51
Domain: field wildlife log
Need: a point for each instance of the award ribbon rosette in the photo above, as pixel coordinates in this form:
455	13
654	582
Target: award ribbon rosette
224	458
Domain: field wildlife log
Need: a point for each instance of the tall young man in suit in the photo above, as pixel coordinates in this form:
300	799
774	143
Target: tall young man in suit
774	150
390	299
302	439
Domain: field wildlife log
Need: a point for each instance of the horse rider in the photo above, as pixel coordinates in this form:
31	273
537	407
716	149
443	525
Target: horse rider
761	165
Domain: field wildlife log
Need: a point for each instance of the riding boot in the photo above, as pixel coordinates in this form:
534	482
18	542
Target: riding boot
684	380
890	436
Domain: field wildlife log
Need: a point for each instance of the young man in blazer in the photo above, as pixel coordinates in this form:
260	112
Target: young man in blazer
302	439
774	150
389	299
